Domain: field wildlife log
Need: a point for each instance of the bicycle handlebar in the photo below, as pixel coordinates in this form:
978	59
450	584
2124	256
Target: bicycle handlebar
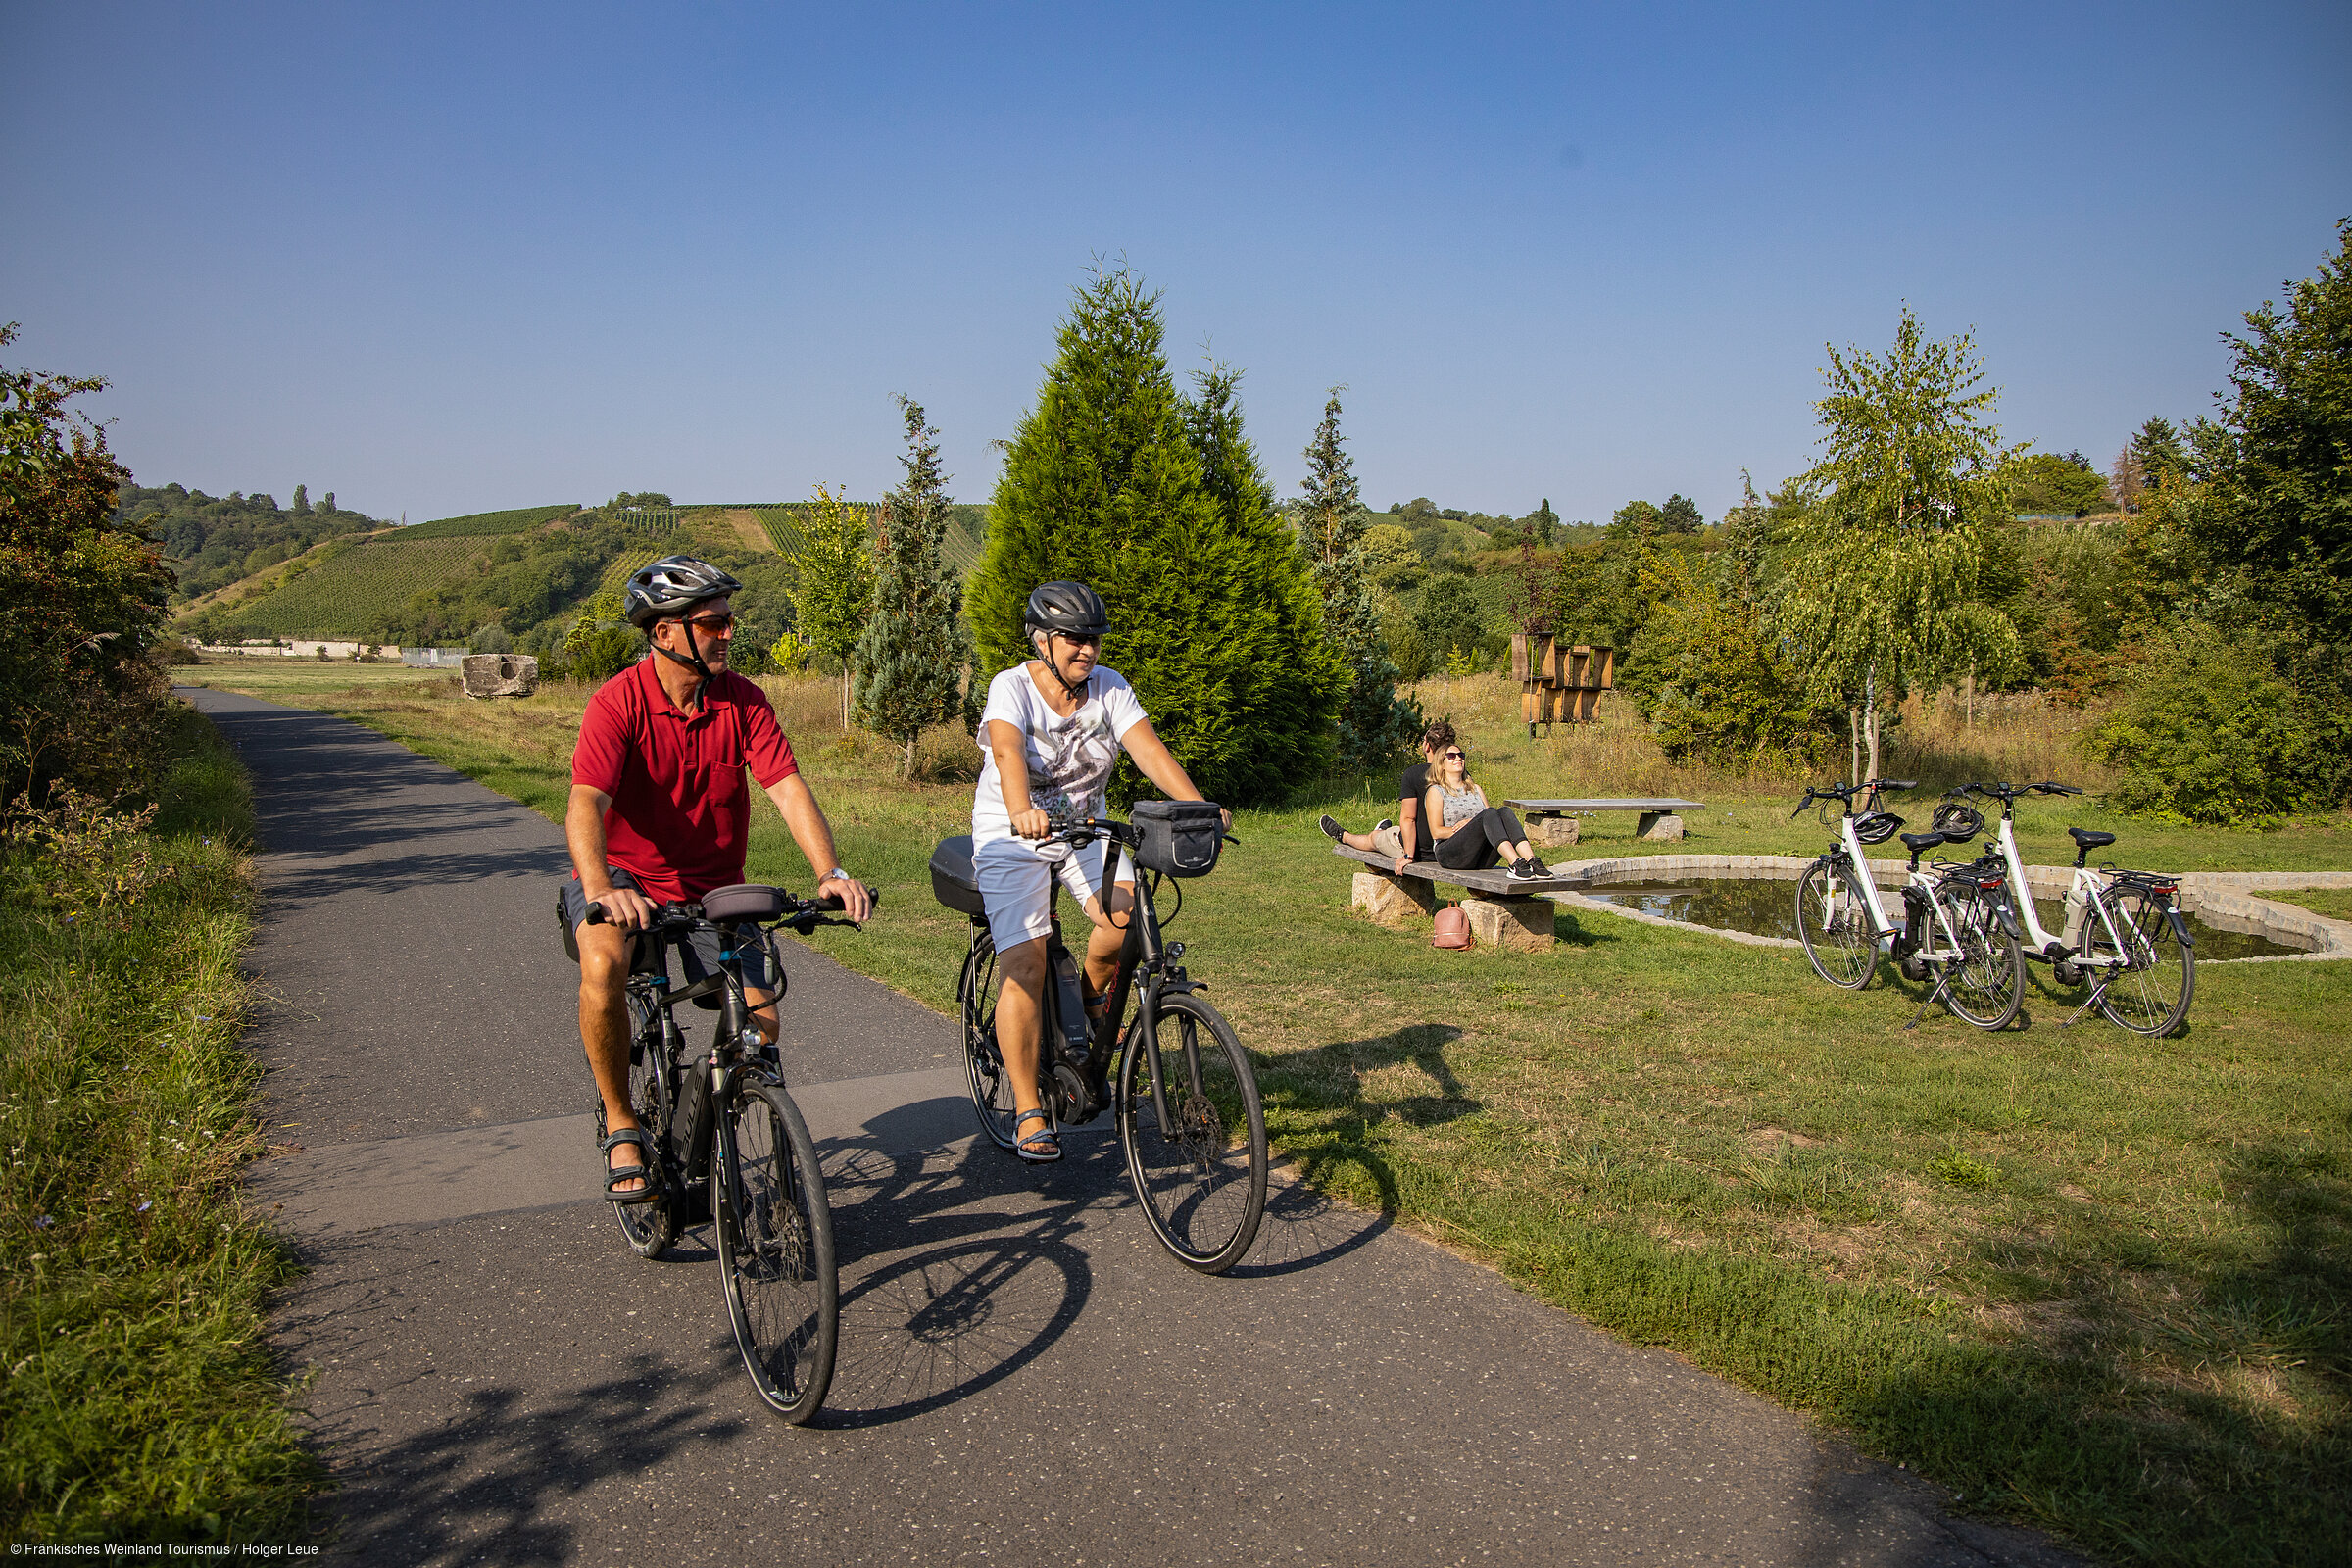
1846	793
806	914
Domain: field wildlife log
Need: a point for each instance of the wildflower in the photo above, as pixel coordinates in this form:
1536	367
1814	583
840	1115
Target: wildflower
42	1223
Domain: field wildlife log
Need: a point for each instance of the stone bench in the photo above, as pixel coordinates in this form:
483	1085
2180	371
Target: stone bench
1549	825
1513	916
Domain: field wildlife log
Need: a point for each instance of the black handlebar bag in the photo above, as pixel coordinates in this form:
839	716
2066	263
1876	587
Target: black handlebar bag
1178	838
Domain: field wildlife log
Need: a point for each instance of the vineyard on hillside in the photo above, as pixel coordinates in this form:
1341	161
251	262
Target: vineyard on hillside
653	524
966	536
475	525
357	592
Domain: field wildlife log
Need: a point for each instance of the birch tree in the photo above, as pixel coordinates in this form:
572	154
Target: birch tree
1882	589
835	586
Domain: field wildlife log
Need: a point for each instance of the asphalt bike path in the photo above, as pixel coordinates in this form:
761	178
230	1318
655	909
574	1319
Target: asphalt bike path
1024	1376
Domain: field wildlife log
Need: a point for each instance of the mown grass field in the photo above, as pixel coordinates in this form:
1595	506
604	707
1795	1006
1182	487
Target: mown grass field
2090	1281
141	1404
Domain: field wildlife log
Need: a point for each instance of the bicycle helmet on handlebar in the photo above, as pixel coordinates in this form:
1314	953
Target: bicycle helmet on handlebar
1958	823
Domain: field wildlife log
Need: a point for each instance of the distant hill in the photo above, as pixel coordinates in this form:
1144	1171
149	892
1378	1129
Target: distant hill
527	571
213	541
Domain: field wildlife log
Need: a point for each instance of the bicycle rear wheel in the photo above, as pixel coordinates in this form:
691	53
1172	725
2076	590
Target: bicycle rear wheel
983	1065
1201	1177
1834	922
775	1249
2150	991
648	1228
1987	986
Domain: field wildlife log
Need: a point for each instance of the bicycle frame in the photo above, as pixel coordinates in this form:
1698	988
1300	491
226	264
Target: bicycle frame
1857	863
2084	902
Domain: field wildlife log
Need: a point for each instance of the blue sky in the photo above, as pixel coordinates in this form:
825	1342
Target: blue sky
443	258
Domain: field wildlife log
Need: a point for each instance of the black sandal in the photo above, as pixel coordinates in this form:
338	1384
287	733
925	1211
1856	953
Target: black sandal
1046	1143
642	1171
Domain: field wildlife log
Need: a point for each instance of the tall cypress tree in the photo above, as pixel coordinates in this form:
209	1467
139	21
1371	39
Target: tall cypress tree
1102	484
913	654
1290	679
1374	724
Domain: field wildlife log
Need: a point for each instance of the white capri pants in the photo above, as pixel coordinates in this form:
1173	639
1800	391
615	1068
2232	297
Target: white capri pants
1016	885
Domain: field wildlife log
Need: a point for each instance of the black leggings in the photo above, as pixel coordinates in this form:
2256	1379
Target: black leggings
1479	842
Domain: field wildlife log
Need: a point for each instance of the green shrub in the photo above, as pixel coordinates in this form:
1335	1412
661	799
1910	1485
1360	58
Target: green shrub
605	654
2206	733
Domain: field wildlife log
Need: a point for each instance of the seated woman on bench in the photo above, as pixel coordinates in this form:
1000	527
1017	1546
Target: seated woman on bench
1470	834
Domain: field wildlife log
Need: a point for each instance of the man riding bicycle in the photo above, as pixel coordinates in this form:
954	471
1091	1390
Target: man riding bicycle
1049	738
658	814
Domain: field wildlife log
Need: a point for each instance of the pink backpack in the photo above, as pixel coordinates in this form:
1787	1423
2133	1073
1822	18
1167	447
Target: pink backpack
1452	928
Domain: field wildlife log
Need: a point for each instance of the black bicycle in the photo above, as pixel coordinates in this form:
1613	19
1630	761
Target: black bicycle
728	1144
1180	1088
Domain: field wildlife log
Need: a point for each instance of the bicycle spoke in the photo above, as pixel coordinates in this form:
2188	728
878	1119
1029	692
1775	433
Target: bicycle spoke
775	1237
1202	1175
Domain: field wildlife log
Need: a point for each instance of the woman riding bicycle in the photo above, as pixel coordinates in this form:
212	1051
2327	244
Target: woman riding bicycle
1049	738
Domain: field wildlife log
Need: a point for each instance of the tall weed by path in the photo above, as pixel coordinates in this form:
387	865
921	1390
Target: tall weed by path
141	1403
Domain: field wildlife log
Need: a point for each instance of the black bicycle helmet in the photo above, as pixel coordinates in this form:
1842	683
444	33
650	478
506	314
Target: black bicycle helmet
671	586
1957	823
1876	827
1071	608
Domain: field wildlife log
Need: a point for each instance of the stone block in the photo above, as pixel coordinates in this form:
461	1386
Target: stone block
498	674
1551	832
1510	925
1401	903
1659	827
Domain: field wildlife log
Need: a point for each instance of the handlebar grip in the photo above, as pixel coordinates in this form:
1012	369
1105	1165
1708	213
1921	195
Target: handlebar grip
1898	783
595	915
832	900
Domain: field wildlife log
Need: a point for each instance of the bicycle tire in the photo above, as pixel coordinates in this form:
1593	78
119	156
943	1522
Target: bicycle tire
983	1065
775	1249
1988	987
2150	993
648	1228
1835	926
1202	1189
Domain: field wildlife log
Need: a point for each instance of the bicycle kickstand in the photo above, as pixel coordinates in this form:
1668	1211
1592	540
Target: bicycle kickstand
2099	994
1943	983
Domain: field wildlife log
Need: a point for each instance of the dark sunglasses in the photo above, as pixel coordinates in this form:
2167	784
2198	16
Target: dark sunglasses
1456	755
1081	639
709	624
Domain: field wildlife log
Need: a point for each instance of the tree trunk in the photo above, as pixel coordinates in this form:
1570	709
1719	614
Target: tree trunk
1853	745
908	770
1968	697
845	696
1869	718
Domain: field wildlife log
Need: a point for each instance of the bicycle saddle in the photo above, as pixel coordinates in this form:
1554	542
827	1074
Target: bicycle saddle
1919	843
2085	838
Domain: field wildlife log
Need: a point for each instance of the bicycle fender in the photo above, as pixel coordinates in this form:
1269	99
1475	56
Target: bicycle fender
2180	927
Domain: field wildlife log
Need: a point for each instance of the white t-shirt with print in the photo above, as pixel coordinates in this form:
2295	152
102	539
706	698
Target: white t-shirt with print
1069	758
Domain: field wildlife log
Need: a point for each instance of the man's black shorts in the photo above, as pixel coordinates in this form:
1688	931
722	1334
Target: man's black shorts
698	953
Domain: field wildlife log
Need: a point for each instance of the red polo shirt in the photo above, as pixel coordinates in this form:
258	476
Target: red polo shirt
680	814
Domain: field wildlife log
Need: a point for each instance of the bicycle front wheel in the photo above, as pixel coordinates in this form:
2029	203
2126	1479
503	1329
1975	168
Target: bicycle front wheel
1987	985
2151	987
1833	922
1201	1176
775	1249
983	1063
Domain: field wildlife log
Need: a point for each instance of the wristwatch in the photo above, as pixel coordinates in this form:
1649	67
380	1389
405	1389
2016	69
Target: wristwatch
837	873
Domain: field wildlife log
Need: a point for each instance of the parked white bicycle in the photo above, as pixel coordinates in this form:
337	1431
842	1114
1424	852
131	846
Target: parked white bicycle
1951	932
2123	930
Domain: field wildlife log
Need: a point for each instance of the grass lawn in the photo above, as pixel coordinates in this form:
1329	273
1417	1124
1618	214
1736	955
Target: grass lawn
141	1404
2084	1279
2336	903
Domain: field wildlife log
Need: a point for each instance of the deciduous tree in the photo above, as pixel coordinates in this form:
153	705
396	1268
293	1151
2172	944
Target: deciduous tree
836	585
1883	589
